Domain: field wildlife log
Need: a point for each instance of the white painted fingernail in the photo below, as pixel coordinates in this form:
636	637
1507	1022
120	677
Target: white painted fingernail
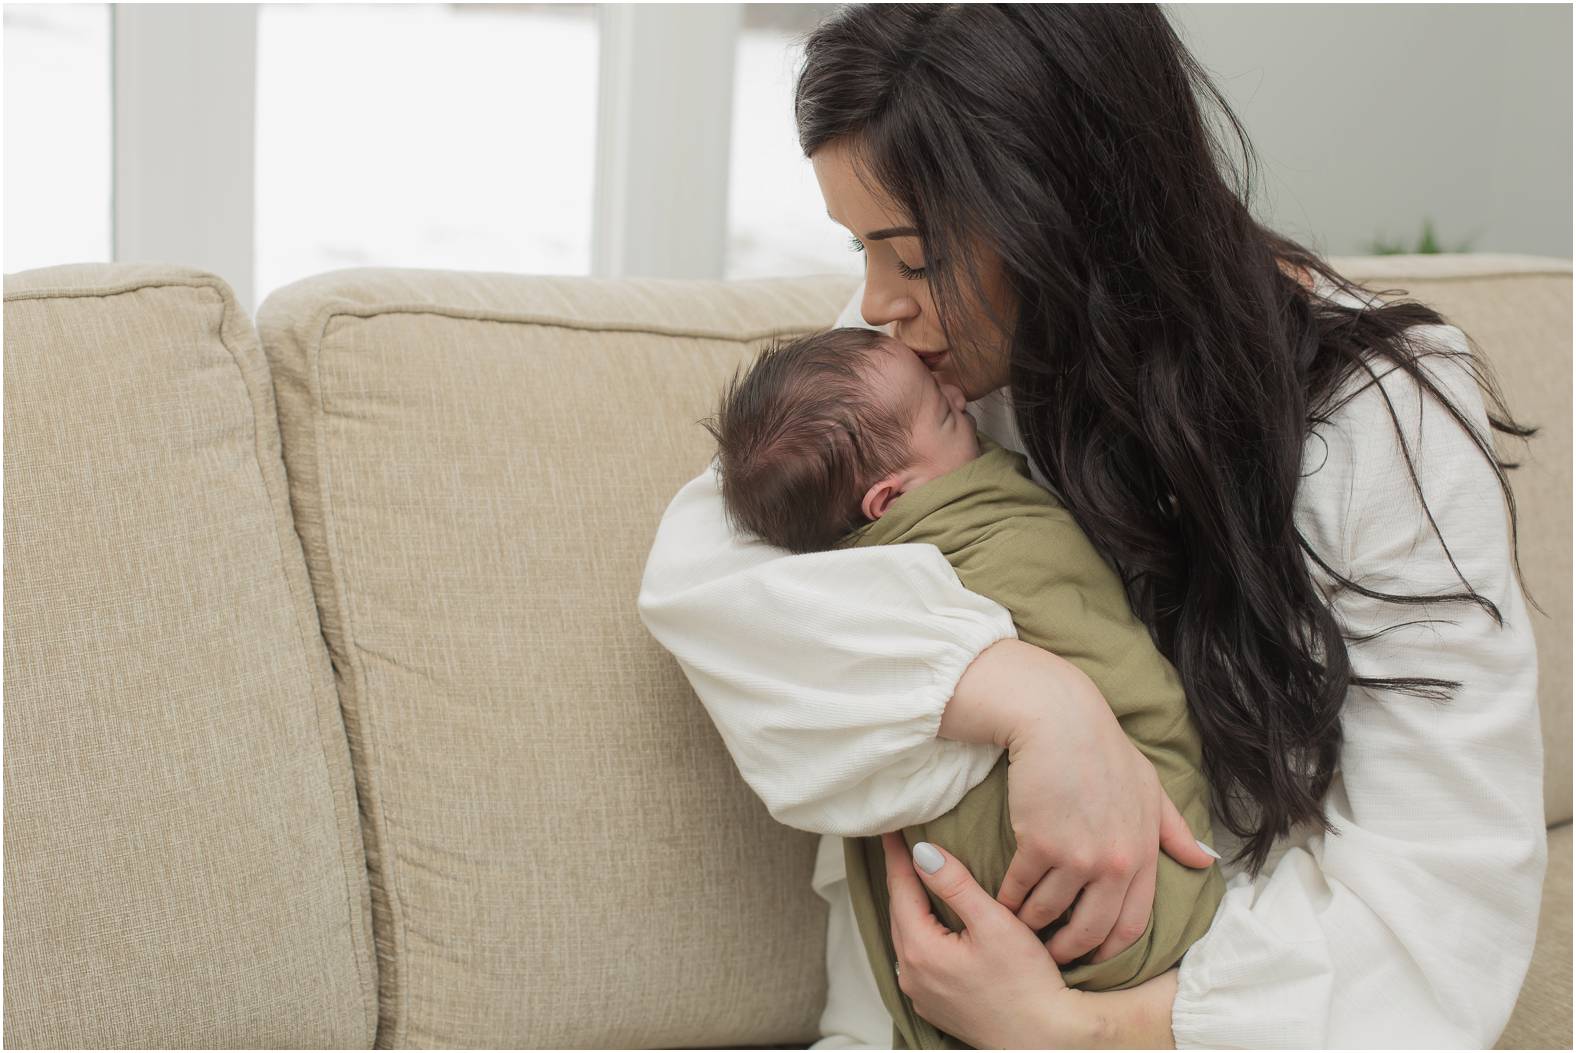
927	857
1207	850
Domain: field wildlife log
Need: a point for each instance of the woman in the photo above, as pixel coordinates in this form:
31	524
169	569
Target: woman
1298	485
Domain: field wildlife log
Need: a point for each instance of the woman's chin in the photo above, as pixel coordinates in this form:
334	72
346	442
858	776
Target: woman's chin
942	370
974	390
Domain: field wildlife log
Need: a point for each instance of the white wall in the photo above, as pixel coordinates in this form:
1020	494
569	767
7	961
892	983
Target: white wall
1367	118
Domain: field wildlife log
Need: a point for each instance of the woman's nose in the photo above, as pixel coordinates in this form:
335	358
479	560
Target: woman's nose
883	304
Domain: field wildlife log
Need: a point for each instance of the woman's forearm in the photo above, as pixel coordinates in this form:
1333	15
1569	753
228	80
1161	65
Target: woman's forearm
1011	694
1137	1018
1002	695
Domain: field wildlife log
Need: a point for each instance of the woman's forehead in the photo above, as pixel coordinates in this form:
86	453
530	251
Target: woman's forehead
852	197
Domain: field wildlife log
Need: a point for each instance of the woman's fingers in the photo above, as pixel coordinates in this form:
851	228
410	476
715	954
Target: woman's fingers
910	911
1177	840
1051	897
1091	921
951	881
1026	871
896	854
1133	918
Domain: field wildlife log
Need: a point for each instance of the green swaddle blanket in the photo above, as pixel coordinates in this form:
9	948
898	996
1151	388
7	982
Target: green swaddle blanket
1013	542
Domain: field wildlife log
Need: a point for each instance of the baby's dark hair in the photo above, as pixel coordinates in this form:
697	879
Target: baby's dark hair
801	437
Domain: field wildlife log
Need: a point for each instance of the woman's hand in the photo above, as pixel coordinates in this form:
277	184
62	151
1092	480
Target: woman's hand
1087	808
993	985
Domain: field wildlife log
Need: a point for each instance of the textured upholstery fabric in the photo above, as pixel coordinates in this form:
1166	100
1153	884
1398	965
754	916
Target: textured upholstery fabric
1518	310
1542	1019
183	862
561	852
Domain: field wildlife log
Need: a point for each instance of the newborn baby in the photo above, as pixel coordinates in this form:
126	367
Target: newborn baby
845	438
824	433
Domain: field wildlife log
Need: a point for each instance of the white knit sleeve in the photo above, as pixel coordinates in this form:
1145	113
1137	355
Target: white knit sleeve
1413	924
825	673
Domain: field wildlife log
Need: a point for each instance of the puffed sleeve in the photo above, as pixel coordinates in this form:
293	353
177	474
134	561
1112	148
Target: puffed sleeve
1413	924
825	673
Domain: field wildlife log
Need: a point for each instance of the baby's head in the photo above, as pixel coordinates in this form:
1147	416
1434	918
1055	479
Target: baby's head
825	431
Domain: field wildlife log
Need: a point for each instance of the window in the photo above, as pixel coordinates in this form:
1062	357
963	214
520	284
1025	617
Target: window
777	223
437	135
57	134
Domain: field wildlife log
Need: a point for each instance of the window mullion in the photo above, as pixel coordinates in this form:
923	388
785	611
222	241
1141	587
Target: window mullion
185	87
664	119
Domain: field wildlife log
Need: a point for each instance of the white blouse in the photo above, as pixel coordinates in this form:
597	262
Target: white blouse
827	674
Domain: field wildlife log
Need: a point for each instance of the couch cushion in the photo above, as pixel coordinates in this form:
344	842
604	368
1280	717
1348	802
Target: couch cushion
1542	1019
562	853
183	865
1518	310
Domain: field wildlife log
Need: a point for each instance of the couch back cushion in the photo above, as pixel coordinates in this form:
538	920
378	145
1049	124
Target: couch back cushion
1518	311
183	862
561	851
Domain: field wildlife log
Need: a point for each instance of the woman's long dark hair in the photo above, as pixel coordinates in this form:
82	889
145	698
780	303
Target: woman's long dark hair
1166	367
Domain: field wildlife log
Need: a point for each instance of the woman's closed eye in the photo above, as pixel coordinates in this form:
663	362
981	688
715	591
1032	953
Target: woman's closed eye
902	268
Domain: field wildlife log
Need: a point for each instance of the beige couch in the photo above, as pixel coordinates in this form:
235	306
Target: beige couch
330	721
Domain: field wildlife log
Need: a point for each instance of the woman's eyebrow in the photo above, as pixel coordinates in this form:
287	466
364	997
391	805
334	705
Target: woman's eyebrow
883	233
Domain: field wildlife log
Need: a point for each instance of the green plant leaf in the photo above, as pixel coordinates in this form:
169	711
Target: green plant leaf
1428	243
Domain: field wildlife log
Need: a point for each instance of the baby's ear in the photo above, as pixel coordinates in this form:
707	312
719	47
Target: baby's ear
880	496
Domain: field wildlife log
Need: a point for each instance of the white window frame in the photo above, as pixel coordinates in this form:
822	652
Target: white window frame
185	94
663	131
184	99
